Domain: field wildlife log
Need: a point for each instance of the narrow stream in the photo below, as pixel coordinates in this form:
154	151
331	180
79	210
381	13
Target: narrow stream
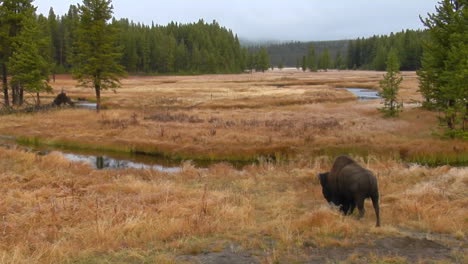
105	162
86	105
364	94
102	160
113	160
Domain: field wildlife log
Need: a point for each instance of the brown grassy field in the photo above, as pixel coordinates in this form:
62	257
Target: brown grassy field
241	117
56	211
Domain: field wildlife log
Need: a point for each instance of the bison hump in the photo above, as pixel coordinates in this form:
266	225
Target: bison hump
341	162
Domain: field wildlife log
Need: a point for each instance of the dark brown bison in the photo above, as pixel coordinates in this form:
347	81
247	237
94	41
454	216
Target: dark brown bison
348	184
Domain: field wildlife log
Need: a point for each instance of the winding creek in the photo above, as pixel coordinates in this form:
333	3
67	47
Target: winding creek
111	160
363	94
114	160
100	160
106	162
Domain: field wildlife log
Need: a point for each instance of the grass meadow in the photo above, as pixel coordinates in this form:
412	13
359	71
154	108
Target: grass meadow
292	123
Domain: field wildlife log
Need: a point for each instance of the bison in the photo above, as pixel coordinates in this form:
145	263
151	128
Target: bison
348	184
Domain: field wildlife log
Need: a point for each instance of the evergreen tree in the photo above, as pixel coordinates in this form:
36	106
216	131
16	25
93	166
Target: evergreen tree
325	61
251	62
13	13
379	60
390	86
281	66
339	62
96	60
444	73
263	60
4	43
181	60
28	67
311	60
54	46
304	63
350	58
68	31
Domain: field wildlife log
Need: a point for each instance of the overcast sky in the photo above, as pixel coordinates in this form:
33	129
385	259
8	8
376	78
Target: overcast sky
283	20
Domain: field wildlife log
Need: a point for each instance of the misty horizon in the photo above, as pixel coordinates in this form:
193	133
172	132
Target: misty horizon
275	21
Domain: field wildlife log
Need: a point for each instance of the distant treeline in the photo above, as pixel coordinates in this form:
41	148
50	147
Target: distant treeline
209	48
362	53
371	53
289	53
176	48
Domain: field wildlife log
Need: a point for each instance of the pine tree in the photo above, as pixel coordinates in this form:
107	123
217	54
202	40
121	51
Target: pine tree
28	67
281	65
444	72
350	55
54	46
250	62
324	61
378	62
339	62
12	16
96	60
304	63
390	86
311	60
181	60
263	60
4	53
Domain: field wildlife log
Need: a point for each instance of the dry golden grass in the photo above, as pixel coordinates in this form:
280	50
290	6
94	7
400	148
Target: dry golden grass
238	117
54	211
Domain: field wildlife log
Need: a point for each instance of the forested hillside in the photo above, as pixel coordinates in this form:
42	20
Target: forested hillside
371	53
176	48
289	53
362	53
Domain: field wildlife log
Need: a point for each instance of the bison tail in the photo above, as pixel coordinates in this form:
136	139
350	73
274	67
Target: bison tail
375	203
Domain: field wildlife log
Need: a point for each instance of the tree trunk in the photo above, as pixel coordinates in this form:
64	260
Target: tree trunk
98	97
451	117
38	101
21	95
5	85
465	119
14	94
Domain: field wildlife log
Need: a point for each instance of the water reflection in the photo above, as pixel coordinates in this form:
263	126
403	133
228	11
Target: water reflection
105	162
365	94
86	105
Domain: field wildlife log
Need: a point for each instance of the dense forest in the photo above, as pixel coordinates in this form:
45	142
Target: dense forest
209	48
371	53
362	53
288	53
176	48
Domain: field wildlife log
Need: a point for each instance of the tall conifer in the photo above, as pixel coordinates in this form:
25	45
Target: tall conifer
390	86
96	59
311	60
444	73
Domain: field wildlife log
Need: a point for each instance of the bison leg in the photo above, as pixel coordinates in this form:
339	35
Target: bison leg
360	205
351	208
344	208
375	203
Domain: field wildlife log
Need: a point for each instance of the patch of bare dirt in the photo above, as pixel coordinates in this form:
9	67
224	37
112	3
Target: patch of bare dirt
411	249
401	249
229	255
